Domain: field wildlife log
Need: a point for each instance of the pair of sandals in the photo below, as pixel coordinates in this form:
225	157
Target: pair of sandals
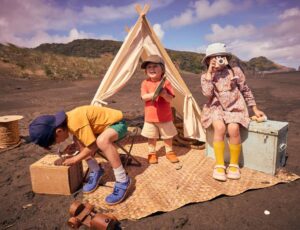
221	176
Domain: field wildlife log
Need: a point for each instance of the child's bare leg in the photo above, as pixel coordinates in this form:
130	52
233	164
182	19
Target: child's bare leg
105	143
168	144
152	145
219	130
219	146
152	157
92	163
234	133
95	171
170	154
235	149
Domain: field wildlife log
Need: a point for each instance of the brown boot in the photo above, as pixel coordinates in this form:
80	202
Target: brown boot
152	158
171	156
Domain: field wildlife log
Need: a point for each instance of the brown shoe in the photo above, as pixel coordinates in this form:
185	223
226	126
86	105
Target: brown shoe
171	156
152	158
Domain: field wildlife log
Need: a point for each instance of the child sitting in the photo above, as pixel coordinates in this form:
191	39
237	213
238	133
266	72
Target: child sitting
93	128
228	98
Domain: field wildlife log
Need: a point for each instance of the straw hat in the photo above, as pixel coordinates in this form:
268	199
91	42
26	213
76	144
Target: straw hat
216	49
153	59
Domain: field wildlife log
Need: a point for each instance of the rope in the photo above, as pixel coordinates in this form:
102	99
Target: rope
182	141
9	134
11	147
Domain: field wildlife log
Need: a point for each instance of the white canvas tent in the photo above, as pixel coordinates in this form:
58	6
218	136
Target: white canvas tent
140	42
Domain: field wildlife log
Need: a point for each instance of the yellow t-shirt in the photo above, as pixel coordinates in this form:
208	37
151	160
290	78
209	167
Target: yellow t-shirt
87	122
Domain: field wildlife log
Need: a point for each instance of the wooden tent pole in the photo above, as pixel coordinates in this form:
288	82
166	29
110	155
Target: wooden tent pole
140	11
124	50
144	54
130	39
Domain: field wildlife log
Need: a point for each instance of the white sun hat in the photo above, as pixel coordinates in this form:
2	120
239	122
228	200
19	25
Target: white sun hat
216	49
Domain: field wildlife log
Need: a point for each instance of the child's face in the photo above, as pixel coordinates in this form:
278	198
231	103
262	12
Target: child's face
61	135
154	71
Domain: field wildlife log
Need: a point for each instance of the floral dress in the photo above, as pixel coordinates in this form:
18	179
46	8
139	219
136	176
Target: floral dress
228	95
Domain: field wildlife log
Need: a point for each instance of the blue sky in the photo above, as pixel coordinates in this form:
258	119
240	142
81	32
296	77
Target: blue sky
250	28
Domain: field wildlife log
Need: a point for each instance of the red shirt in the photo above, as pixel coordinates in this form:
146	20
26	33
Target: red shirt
159	110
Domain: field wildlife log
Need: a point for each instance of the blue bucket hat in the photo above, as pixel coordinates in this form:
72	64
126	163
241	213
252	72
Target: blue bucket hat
42	129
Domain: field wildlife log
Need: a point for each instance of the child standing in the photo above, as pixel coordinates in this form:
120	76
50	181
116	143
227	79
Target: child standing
229	96
92	127
158	113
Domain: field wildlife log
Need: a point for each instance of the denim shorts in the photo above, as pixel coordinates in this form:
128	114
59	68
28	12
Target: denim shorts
120	127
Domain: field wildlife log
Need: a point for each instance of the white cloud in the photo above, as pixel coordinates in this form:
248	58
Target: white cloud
186	18
3	22
44	37
290	13
229	32
158	31
106	13
288	55
279	42
205	10
25	17
202	10
110	13
29	23
25	23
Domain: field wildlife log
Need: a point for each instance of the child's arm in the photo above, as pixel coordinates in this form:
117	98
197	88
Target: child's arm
206	80
145	95
167	92
247	93
84	153
207	86
258	112
244	88
164	94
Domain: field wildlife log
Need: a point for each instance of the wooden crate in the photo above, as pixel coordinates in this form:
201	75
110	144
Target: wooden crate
47	178
263	146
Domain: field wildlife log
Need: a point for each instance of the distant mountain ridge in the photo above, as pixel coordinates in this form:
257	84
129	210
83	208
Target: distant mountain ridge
90	48
91	58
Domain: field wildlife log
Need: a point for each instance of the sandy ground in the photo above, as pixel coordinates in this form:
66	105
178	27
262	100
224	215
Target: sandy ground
277	95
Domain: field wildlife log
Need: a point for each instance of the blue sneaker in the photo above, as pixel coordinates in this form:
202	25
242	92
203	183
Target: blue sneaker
93	181
119	193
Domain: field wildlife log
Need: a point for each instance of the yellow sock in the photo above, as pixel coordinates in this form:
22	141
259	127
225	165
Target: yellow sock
219	147
235	150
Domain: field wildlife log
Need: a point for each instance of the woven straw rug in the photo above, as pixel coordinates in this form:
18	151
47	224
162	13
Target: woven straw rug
166	187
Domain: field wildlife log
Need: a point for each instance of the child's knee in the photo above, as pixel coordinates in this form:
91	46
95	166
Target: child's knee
220	129
234	130
103	141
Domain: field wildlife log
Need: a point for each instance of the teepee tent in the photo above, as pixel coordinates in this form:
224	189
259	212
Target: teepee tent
141	42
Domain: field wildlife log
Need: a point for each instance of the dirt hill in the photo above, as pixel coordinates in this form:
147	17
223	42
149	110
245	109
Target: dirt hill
89	58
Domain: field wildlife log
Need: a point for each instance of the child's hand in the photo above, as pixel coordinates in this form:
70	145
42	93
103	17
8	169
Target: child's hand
163	93
69	161
258	112
70	149
212	65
